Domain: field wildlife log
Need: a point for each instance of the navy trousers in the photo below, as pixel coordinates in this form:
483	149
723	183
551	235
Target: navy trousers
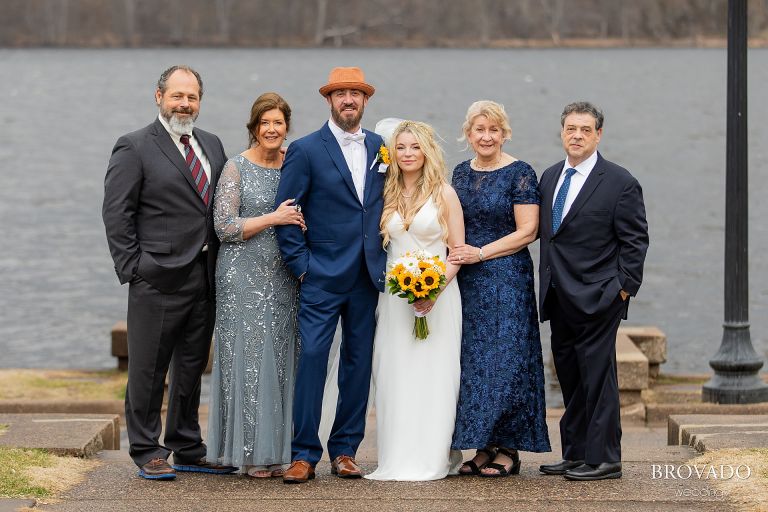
319	313
584	350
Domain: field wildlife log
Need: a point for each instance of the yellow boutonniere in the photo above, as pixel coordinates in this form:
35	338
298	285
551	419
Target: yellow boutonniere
382	158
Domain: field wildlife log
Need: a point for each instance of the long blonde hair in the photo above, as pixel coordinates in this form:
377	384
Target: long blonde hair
430	184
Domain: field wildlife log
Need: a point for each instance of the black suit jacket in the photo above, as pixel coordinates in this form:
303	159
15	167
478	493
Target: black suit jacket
602	241
156	222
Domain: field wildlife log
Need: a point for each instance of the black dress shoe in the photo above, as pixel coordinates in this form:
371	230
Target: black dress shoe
602	471
559	468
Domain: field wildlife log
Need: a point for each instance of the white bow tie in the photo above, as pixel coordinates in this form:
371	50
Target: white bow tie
350	138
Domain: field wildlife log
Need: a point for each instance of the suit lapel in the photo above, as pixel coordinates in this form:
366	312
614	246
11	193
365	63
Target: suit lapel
334	150
373	151
164	141
593	181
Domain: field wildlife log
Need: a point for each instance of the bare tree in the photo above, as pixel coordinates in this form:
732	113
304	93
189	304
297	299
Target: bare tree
130	22
223	17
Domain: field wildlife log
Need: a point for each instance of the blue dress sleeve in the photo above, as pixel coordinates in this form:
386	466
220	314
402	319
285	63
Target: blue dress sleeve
525	187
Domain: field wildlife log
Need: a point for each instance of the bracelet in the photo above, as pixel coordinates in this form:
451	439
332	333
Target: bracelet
480	254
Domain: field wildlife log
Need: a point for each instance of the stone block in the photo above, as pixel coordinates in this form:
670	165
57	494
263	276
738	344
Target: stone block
629	397
120	344
634	413
632	365
650	340
661	413
716	431
78	435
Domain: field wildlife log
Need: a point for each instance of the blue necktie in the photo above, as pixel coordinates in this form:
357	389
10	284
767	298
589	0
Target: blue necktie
557	208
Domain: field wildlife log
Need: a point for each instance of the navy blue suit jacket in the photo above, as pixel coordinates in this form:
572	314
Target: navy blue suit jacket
602	241
341	232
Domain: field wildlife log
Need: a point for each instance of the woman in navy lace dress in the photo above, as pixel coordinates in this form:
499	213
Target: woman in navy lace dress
501	405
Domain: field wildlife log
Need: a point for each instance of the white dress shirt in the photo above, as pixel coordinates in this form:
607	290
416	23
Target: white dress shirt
355	155
176	137
577	180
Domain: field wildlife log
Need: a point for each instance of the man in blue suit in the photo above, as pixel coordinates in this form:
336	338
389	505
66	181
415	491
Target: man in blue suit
331	176
594	238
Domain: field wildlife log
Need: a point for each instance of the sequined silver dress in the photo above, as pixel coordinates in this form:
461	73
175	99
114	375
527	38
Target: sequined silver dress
255	340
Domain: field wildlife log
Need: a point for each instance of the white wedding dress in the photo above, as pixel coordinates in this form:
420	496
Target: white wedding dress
416	382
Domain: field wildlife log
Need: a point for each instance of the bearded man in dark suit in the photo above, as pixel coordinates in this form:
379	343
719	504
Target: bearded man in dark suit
594	238
158	194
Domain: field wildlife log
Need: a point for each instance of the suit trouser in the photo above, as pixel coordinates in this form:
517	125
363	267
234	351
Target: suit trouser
319	312
167	330
584	350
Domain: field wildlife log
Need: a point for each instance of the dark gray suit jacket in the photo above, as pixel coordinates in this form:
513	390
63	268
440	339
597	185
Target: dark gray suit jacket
602	241
156	222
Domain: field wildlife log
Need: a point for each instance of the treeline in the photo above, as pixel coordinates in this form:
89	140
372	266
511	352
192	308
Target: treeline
370	23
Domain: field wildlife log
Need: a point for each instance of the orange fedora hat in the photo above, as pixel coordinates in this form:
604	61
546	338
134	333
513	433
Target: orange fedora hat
347	78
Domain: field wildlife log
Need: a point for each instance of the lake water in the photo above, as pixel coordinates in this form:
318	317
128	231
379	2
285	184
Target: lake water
62	110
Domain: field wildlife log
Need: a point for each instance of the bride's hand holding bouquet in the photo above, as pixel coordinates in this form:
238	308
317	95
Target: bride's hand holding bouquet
417	277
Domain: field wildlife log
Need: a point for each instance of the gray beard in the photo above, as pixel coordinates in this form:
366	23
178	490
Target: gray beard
180	127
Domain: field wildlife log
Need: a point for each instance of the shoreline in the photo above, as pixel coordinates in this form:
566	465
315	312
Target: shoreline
586	43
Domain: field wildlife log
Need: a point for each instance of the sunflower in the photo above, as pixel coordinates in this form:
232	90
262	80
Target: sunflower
419	289
405	280
397	270
425	264
384	155
431	279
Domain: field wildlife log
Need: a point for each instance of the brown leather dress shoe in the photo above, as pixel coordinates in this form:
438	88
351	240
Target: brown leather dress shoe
298	472
345	466
157	469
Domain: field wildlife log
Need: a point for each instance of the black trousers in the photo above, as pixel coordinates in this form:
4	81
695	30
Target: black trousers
167	331
584	350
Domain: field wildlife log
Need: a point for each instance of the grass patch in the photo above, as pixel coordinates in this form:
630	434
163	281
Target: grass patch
3	428
15	482
62	385
39	474
749	493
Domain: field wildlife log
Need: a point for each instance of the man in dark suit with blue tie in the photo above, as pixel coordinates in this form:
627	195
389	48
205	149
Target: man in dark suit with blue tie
594	238
330	174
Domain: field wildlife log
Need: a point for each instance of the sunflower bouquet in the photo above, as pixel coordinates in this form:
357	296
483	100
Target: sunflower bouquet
413	276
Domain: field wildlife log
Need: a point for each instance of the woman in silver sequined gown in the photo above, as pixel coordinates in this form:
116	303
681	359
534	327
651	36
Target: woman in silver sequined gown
256	342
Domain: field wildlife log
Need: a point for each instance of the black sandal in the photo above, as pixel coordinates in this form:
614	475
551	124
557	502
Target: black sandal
504	470
474	469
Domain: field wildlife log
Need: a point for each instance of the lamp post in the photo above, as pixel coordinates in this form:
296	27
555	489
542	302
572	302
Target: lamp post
736	364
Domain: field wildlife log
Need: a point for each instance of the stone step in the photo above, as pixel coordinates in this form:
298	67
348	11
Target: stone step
652	342
79	435
706	432
632	364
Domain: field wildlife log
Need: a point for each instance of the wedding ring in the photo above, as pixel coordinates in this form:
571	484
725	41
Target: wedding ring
298	208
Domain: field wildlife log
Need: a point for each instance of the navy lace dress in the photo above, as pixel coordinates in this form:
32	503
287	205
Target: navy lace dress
501	399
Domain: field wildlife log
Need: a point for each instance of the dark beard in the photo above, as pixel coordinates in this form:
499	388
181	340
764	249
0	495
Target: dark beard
345	124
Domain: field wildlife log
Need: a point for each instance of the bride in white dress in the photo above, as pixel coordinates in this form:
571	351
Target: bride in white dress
416	382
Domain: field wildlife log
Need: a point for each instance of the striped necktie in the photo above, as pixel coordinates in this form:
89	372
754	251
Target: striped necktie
196	168
557	208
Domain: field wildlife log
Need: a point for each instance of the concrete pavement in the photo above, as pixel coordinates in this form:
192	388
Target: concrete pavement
114	486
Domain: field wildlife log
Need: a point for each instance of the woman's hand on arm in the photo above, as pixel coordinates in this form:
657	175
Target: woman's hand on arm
527	222
285	213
